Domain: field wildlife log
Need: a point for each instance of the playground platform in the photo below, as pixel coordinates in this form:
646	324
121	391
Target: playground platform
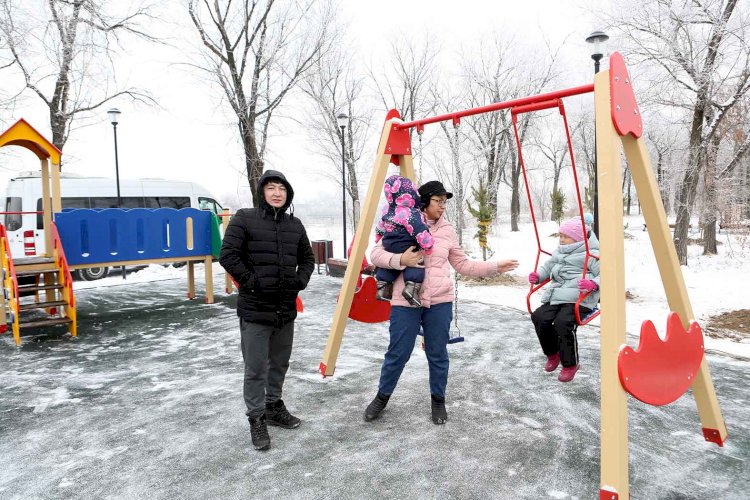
148	404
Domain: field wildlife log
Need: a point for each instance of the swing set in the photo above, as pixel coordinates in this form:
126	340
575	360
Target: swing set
659	371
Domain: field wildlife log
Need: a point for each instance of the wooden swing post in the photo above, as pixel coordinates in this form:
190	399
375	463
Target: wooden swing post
614	402
393	143
619	125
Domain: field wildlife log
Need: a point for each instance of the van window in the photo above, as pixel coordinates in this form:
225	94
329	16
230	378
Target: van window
13	222
209	204
111	202
66	203
167	202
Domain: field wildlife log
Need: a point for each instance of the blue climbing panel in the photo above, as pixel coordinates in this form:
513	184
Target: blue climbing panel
91	236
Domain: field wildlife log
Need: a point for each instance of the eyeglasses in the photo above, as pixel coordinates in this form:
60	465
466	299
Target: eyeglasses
439	202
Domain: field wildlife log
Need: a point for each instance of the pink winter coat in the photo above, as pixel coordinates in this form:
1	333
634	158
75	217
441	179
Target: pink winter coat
446	252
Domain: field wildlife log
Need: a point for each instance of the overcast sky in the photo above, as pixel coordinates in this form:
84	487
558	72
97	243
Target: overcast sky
190	137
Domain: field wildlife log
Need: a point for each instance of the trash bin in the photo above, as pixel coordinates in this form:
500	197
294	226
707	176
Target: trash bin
322	250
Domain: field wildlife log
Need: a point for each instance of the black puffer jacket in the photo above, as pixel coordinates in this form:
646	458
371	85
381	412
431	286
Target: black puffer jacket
267	251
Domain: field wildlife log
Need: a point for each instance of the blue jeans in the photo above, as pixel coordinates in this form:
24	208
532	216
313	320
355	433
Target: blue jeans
405	323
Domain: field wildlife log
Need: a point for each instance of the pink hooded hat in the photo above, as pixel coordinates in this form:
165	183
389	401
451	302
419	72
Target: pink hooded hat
572	228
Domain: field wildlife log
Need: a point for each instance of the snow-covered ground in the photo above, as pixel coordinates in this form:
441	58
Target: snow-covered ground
146	403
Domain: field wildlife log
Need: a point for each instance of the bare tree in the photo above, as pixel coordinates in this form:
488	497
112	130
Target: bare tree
489	77
584	141
6	100
448	98
333	88
65	51
405	84
666	148
256	52
555	151
700	60
499	76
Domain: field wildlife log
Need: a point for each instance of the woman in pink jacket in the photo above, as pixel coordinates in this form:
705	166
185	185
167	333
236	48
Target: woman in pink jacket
437	296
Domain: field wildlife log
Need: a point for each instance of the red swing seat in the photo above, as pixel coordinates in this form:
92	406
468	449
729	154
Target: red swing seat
365	307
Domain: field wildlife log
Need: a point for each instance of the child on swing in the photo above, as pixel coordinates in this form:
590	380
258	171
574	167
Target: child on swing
555	320
401	227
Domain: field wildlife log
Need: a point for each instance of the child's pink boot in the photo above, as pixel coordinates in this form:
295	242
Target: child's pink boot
552	362
567	373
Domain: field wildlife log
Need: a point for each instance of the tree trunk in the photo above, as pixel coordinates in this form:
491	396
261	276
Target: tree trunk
492	181
515	200
686	193
253	162
685	199
711	210
709	236
630	183
353	189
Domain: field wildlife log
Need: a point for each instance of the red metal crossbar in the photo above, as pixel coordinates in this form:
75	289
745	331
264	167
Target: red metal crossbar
455	117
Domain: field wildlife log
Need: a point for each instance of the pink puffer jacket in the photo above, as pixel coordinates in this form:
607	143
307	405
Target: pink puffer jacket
438	284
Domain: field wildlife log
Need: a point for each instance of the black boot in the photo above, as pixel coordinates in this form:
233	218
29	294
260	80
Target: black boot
376	407
385	290
411	293
278	415
259	433
439	415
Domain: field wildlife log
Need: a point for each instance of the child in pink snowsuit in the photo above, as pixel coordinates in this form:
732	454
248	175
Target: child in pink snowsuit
401	227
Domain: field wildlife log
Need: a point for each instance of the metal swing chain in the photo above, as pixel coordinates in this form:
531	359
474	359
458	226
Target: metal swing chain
419	154
455	279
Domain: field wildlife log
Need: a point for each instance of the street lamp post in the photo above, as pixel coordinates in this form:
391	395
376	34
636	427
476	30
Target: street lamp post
114	117
342	119
596	40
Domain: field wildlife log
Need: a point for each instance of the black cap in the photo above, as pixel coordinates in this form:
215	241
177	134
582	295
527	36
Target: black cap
430	189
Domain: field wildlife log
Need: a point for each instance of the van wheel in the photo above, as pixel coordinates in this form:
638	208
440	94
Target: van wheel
93	273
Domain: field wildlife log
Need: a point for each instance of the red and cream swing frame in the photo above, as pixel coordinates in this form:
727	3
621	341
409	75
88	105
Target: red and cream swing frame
657	372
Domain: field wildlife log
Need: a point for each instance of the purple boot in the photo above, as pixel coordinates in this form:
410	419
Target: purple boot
552	362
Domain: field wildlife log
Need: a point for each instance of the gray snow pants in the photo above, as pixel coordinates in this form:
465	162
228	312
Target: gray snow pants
266	350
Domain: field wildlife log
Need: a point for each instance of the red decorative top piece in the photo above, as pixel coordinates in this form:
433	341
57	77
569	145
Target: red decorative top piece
399	142
625	113
659	372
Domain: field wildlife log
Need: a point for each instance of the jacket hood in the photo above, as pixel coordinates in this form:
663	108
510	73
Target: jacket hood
273	175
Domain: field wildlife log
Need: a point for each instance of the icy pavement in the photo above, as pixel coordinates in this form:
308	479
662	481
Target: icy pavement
146	403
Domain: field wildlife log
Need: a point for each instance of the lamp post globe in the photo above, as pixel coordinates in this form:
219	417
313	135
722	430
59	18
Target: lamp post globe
597	41
114	115
343	120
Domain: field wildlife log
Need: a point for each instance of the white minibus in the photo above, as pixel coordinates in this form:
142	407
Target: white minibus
24	194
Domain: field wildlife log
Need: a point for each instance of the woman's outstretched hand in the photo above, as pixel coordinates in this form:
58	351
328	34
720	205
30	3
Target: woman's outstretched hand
412	257
503	266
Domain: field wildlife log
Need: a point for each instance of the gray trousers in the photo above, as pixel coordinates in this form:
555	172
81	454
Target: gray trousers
266	350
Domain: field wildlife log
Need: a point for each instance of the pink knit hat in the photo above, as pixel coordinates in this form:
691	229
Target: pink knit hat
572	228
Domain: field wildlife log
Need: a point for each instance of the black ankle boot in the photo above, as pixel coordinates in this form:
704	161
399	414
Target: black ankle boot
278	415
385	290
411	293
376	406
259	433
439	414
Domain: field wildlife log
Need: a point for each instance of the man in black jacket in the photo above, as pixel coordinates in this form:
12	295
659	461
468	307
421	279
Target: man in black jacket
268	253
